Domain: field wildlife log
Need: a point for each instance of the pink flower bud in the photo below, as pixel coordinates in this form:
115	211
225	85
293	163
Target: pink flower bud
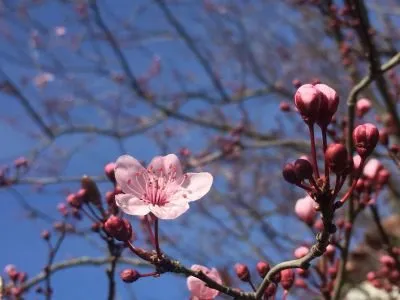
119	228
74	201
300	283
289	174
307	100
365	138
109	171
301	252
383	177
296	83
384	137
284	106
45	235
129	275
372	168
287	278
328	106
21	162
270	290
303	169
305	210
263	268
362	107
330	250
336	157
371	276
387	261
242	272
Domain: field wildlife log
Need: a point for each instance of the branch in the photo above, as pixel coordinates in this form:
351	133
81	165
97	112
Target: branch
80	261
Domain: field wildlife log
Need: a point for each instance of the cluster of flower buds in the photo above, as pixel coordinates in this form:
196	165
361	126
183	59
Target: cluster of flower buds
17	279
317	104
387	277
9	174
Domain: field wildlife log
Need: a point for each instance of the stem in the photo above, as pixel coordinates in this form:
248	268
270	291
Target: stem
157	244
252	285
325	146
148	226
313	150
355	180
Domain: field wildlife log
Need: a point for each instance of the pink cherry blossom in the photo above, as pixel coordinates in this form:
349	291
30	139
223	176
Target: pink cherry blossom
43	79
372	168
161	189
198	288
305	210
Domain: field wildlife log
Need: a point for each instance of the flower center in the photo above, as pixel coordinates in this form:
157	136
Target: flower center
156	186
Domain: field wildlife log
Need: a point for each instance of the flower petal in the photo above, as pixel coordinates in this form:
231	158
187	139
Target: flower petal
166	164
170	210
127	169
197	185
132	205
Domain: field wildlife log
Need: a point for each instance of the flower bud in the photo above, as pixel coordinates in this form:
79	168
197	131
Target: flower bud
362	107
305	210
263	268
336	157
328	106
365	138
109	171
383	177
300	283
119	228
289	174
242	272
129	275
301	252
287	278
21	162
384	137
307	100
303	169
45	235
284	106
270	290
387	261
74	201
92	191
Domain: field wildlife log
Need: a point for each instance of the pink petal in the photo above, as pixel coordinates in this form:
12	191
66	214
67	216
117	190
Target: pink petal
170	210
166	164
126	170
198	288
132	205
197	185
372	168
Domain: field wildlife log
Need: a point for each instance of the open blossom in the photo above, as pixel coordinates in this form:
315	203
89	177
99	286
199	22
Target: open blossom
198	288
161	188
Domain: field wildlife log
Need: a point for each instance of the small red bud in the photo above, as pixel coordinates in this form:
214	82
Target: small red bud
289	174
387	261
45	235
242	272
383	176
337	158
119	228
362	107
284	106
74	200
300	283
365	138
384	137
263	268
270	290
287	278
109	171
303	169
129	275
21	162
